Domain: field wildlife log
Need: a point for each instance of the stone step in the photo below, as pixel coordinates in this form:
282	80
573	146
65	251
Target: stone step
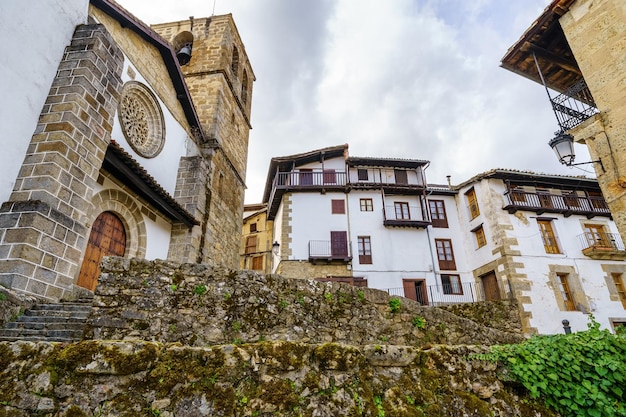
37	339
52	319
75	326
61	307
19	334
56	313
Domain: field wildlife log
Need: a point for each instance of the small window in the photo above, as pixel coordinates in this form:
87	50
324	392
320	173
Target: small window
338	206
451	284
401	176
251	244
366	204
257	263
445	255
365	250
566	293
362	174
550	243
252	227
479	233
472	203
244	87
402	211
330	177
619	286
438	213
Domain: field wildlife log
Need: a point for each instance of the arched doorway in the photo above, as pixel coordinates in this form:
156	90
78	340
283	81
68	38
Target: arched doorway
107	238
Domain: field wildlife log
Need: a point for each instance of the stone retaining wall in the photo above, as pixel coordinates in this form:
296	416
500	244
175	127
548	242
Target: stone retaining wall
133	378
199	305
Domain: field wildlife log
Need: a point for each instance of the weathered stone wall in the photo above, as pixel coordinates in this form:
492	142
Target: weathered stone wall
135	378
197	305
503	315
13	304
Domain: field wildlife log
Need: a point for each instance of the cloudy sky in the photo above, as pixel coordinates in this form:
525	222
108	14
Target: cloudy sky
416	79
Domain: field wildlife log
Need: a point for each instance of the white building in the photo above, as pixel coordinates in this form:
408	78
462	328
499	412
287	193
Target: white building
548	241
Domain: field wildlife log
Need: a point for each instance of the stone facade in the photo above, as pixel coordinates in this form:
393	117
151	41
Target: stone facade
219	78
43	234
596	36
257	239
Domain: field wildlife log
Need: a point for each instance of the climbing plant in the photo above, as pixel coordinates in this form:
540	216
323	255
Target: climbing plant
580	374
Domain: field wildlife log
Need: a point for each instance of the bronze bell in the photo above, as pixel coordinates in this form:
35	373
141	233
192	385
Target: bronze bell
184	54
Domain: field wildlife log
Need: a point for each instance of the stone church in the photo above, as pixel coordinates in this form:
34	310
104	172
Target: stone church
118	139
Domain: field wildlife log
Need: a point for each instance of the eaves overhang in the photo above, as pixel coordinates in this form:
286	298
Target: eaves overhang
129	172
545	40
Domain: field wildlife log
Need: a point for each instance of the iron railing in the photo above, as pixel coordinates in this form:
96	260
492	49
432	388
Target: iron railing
557	203
601	241
437	295
574	106
325	249
410	213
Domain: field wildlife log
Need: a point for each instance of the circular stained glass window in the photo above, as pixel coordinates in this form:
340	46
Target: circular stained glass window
141	119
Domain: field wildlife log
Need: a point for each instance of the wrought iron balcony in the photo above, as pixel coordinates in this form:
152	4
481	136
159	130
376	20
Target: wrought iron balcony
601	245
551	203
574	106
326	250
401	215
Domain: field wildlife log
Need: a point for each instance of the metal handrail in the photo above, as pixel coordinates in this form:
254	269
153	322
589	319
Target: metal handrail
436	295
601	241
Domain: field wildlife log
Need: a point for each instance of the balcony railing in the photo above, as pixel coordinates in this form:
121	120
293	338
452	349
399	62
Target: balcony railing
437	295
404	216
574	106
328	251
310	179
566	204
601	245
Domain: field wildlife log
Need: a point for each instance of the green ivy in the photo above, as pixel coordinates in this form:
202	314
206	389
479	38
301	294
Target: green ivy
580	374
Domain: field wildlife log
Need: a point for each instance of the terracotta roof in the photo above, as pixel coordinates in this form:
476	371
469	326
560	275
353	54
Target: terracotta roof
124	167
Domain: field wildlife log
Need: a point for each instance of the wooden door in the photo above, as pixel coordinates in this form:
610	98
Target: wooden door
339	244
490	286
107	238
415	289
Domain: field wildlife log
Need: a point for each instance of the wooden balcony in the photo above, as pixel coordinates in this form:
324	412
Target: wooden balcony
552	203
404	216
603	246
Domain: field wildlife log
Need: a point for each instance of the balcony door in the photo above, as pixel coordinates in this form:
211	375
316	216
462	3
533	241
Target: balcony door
306	176
596	236
339	244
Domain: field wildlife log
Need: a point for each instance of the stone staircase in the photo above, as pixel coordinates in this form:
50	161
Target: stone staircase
53	322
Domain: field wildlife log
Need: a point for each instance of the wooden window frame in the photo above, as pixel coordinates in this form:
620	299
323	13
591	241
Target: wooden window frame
597	236
253	228
362	174
402	205
365	250
479	234
438	216
620	288
445	254
549	238
251	244
338	206
472	202
565	291
366	204
453	286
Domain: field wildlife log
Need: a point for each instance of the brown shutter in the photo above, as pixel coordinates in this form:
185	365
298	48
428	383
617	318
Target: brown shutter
339	244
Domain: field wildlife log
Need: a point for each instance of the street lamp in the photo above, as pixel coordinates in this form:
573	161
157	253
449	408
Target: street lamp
563	146
275	248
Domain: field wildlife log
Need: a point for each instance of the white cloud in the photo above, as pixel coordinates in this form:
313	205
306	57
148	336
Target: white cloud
413	79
